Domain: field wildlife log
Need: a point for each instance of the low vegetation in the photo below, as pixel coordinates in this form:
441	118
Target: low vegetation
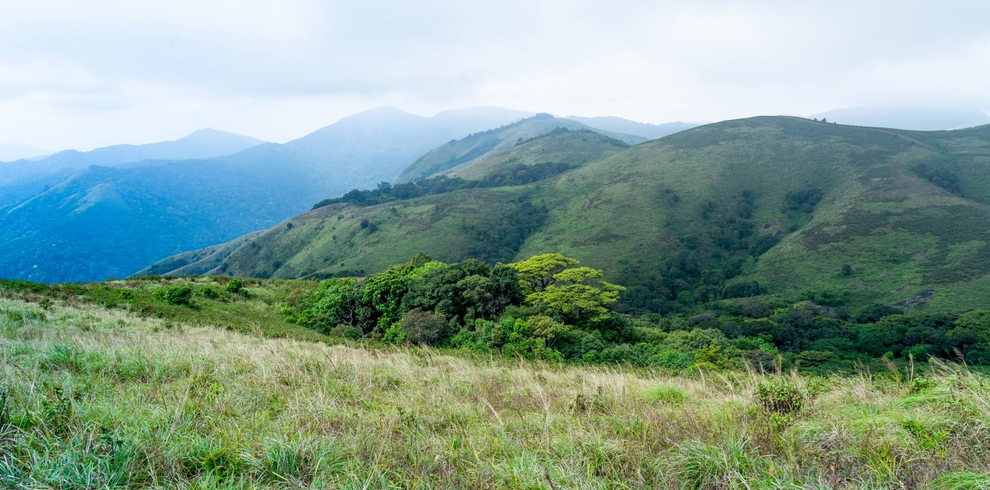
94	397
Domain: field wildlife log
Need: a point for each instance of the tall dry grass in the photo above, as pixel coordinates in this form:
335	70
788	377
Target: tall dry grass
96	398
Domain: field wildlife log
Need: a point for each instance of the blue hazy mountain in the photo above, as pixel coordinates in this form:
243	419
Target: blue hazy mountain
10	152
205	143
916	118
118	216
620	125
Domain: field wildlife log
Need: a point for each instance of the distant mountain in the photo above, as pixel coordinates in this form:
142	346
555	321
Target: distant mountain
22	179
843	215
459	153
377	145
620	125
205	143
115	218
915	118
16	151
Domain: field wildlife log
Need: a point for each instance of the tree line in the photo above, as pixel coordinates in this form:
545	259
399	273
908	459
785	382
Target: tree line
549	307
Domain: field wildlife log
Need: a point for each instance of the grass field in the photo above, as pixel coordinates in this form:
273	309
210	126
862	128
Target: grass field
103	398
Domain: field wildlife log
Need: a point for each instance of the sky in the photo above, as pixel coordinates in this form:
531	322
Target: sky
88	74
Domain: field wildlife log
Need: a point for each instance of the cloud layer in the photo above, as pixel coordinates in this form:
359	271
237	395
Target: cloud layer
81	75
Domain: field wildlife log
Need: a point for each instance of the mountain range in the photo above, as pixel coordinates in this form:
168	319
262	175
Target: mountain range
794	208
82	216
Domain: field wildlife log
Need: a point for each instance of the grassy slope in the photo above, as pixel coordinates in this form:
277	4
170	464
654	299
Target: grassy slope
627	213
572	147
253	311
96	398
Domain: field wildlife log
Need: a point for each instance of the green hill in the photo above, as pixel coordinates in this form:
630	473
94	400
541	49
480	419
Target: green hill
458	154
571	148
845	216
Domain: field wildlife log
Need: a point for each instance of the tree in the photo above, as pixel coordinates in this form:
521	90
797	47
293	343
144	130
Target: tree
337	302
424	327
578	295
538	271
384	291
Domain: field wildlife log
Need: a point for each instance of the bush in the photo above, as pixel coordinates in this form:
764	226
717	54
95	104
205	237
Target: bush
208	292
234	285
425	327
777	395
176	295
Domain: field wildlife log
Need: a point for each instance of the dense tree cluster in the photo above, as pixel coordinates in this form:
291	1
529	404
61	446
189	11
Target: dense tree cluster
523	308
940	176
549	307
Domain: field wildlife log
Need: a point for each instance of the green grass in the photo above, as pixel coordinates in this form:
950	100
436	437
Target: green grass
253	311
92	397
571	147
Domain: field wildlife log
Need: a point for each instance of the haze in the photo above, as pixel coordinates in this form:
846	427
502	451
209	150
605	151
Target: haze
84	75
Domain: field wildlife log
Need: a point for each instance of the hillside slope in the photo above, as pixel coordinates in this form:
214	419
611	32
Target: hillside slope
560	146
463	152
102	221
806	209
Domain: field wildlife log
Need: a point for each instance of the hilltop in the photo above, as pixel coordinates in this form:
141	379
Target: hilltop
841	215
463	152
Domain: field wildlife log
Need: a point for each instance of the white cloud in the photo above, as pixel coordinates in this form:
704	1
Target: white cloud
89	74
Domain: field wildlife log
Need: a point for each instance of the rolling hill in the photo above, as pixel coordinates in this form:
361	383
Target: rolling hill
460	153
114	218
846	216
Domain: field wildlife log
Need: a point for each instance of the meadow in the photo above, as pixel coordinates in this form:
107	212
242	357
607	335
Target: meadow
97	397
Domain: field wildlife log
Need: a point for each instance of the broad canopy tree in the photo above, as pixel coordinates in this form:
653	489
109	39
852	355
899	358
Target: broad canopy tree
553	293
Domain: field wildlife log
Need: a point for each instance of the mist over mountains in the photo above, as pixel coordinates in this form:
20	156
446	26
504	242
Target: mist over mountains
10	152
906	117
78	216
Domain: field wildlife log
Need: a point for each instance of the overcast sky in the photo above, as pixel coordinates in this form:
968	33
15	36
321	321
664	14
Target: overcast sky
88	74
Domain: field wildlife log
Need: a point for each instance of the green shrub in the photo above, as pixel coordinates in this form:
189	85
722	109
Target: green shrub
234	285
208	292
175	295
777	395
